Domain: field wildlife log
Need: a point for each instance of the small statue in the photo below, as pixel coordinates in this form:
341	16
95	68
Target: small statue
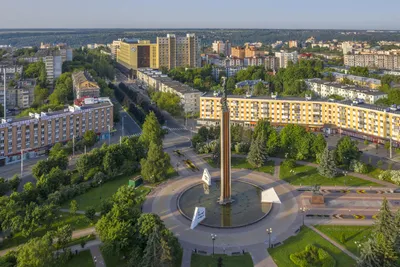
316	189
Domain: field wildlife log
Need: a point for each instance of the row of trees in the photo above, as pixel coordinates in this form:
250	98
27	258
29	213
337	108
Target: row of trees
199	78
137	104
169	102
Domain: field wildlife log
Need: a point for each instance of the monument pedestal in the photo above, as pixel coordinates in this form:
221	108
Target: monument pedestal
317	200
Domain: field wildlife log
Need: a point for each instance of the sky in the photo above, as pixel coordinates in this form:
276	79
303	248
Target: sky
266	14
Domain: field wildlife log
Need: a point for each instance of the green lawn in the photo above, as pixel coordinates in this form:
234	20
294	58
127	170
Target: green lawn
171	172
111	259
306	236
83	259
94	196
211	162
375	173
241	163
229	261
351	233
307	175
77	222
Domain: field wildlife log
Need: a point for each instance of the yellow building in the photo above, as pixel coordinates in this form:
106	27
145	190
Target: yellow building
350	118
135	55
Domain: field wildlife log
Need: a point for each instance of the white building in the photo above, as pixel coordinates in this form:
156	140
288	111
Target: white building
190	97
326	89
285	57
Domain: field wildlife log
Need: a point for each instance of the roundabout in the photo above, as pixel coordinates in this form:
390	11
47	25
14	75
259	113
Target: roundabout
283	218
245	209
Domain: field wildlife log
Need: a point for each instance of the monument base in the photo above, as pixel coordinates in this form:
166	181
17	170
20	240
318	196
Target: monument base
317	199
226	201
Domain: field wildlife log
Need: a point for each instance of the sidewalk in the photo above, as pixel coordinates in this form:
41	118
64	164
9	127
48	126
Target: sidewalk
333	242
97	256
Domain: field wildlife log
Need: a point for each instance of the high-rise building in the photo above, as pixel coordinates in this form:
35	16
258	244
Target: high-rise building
19	96
371	60
293	44
178	51
53	65
218	47
285	57
137	54
238	52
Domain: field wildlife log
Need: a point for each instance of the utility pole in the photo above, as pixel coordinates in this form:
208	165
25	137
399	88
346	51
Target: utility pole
22	162
123	126
391	148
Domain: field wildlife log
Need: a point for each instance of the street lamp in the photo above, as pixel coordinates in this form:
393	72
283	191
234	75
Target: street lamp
22	162
344	180
269	232
213	237
358	245
303	210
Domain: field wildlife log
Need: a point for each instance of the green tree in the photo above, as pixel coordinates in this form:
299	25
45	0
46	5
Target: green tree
4	186
319	144
153	253
327	166
89	138
154	167
63	236
257	154
346	151
151	131
73	207
37	252
203	133
90	213
147	222
169	102
40	94
260	89
273	143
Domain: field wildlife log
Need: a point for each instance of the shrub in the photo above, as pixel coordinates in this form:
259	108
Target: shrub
90	213
289	163
313	256
91	173
242	147
343	238
391	176
358	166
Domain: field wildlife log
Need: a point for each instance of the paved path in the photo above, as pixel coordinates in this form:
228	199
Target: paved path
327	238
75	234
261	257
187	257
97	256
79	212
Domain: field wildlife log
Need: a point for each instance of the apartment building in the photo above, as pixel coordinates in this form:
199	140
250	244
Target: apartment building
11	69
380	61
20	96
190	97
84	85
238	52
35	134
254	61
325	89
293	44
351	118
178	51
114	47
227	71
285	57
271	63
137	54
251	83
218	47
359	80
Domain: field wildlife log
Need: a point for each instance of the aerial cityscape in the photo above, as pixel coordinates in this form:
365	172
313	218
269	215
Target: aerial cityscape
165	134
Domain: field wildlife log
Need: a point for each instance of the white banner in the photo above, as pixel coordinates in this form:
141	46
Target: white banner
198	216
270	196
206	177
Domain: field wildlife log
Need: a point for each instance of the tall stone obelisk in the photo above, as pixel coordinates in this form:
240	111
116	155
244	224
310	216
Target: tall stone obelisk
225	150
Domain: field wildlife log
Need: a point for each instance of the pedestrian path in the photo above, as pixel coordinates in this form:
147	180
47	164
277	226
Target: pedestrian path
97	256
187	257
261	257
333	242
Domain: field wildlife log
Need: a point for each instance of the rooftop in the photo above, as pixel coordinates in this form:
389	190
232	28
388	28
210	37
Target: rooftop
356	88
320	100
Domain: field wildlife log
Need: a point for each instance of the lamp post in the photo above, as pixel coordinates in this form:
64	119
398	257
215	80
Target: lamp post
73	145
213	237
344	180
303	210
109	134
358	245
269	232
22	162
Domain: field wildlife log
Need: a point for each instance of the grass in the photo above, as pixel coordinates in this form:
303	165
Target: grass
171	172
351	233
111	259
94	196
306	236
77	241
307	175
231	261
375	173
83	259
241	163
77	222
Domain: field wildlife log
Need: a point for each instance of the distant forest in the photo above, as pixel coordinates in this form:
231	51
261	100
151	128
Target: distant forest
79	37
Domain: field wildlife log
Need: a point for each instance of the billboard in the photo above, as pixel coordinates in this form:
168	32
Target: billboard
198	216
206	177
